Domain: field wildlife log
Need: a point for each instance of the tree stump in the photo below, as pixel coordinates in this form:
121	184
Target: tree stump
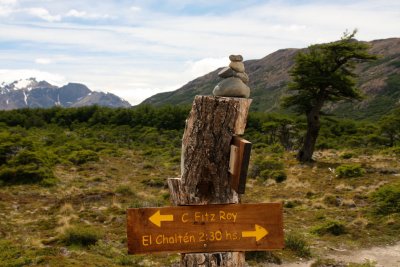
205	179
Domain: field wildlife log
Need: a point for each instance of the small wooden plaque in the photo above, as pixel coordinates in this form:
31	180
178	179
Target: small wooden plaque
239	163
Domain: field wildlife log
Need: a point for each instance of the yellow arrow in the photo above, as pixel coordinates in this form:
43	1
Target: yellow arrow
157	218
259	233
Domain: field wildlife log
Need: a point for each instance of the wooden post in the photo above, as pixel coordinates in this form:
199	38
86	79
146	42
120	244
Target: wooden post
205	178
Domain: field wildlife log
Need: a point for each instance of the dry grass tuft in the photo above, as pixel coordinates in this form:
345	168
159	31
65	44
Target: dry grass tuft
67	208
343	187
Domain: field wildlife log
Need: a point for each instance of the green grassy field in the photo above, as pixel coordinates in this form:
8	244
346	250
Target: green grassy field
64	192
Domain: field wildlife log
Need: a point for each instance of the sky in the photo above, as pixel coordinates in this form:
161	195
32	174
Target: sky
137	48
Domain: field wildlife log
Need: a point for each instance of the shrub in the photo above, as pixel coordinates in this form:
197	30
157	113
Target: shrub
333	263
349	171
347	155
268	167
276	148
262	256
12	256
394	151
25	157
156	182
125	190
292	203
326	144
47	182
83	236
279	176
30	173
386	200
328	263
82	156
332	200
298	245
329	227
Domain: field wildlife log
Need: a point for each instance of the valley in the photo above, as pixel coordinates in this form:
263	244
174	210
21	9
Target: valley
65	204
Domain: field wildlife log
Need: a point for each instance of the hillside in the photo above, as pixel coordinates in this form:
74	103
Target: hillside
41	94
379	80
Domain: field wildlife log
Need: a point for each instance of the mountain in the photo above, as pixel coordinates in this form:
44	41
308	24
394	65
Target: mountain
378	80
34	94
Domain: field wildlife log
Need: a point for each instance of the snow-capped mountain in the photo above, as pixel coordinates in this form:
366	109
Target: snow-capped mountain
33	94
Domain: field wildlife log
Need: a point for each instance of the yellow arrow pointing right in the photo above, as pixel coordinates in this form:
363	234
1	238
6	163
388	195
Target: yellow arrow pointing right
157	218
259	233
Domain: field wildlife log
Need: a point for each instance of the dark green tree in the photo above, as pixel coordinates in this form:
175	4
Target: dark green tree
390	127
324	73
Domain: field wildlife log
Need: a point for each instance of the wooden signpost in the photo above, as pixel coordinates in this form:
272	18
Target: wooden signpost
209	226
205	228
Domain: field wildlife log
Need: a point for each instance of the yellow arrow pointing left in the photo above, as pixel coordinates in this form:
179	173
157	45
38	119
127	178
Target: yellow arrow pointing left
157	218
259	233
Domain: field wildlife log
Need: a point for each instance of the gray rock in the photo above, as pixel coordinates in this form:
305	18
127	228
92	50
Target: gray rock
237	66
243	76
236	58
232	87
226	73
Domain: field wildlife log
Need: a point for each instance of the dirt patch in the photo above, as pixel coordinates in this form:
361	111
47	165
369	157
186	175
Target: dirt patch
388	256
383	256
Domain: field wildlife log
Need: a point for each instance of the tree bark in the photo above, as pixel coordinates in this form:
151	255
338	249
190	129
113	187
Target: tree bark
205	179
313	125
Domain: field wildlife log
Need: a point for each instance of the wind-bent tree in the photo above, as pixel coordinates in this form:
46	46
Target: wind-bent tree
324	73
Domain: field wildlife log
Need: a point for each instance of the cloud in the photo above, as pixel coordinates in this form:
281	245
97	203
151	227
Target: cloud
8	2
43	13
7	7
10	75
204	66
76	13
85	15
43	61
135	8
155	47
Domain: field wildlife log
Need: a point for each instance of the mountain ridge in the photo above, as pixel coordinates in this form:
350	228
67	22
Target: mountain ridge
378	80
30	93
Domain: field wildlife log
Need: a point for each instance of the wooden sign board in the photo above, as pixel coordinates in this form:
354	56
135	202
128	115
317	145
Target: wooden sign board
205	228
239	163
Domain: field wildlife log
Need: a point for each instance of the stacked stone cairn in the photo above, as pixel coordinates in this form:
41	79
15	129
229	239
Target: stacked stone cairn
235	80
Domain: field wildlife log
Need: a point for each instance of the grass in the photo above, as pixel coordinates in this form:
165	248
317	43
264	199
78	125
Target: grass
350	171
386	200
298	245
333	263
329	227
58	225
83	236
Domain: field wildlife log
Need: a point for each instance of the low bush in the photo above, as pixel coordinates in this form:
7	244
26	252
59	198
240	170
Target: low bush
331	200
292	203
329	227
125	190
334	263
278	175
347	155
386	200
393	151
83	156
298	245
82	236
268	168
349	171
26	174
156	182
12	256
262	257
